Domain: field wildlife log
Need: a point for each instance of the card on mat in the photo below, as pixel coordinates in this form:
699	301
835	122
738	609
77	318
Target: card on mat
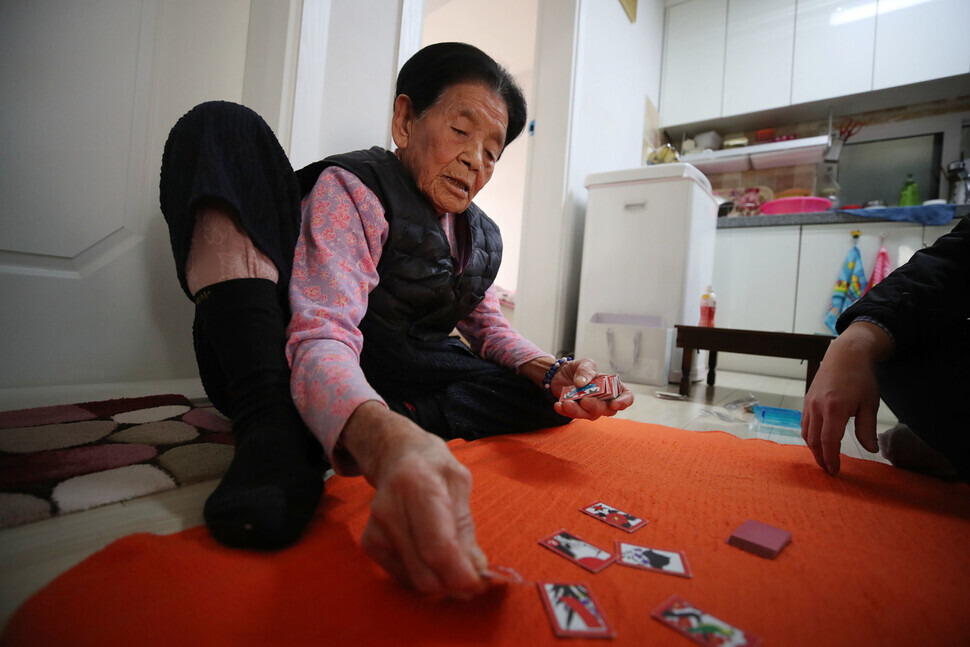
573	612
760	538
578	551
700	626
613	516
653	559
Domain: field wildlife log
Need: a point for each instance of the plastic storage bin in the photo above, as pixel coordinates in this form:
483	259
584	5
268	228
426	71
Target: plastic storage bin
648	250
635	347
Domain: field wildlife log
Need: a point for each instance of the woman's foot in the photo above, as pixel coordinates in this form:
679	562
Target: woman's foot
272	487
903	448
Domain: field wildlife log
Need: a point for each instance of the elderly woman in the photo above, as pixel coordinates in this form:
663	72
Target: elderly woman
371	259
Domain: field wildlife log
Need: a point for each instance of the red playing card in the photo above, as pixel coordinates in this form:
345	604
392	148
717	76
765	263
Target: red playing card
700	626
613	516
573	612
579	392
578	551
760	538
603	387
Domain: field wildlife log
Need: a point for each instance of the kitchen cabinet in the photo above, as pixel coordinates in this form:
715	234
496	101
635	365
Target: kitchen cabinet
726	59
758	55
781	278
920	41
755	276
834	49
823	249
693	71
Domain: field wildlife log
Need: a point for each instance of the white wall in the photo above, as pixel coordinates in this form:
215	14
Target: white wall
90	92
594	73
349	51
506	31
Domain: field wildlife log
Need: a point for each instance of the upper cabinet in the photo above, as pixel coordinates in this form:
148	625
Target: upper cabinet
693	75
724	58
758	55
834	41
920	40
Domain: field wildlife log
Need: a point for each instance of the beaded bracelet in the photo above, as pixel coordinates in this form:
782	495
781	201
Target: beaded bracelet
551	373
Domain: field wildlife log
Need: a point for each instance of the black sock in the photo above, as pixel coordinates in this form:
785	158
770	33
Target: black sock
274	483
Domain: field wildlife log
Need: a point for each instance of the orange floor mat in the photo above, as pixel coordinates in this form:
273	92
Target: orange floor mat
878	555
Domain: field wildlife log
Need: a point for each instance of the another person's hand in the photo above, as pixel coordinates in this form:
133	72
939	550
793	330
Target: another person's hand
579	373
845	387
420	529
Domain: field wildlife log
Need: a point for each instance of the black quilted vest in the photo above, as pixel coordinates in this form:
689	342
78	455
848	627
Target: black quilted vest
422	292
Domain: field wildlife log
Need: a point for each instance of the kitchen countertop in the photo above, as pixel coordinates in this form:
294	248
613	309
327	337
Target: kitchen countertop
814	218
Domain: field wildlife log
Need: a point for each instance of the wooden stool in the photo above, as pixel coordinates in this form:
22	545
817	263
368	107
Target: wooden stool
748	342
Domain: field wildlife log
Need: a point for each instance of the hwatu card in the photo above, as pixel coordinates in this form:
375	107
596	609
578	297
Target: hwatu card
700	626
573	612
652	559
615	517
497	575
578	551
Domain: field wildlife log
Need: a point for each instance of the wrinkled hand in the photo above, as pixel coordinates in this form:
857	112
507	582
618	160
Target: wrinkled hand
844	387
420	529
579	373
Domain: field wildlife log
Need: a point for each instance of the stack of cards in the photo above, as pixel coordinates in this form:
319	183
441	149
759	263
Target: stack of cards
760	538
603	387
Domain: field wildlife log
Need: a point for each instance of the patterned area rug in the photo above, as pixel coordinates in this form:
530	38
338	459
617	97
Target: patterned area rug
67	458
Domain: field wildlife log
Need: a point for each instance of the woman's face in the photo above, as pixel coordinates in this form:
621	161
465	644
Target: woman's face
451	150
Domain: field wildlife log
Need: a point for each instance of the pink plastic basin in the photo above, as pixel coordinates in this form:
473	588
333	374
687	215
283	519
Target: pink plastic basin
800	204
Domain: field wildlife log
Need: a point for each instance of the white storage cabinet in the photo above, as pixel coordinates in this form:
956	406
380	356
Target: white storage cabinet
648	255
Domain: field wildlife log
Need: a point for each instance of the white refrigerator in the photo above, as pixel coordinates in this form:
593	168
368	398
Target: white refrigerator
648	256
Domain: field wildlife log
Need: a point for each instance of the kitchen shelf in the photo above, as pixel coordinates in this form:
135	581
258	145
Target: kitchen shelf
807	150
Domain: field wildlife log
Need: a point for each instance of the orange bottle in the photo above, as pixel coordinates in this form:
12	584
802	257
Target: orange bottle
708	307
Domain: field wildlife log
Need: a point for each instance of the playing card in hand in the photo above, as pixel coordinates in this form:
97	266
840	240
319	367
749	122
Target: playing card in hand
603	387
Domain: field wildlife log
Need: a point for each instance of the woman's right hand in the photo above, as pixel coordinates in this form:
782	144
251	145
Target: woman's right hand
420	529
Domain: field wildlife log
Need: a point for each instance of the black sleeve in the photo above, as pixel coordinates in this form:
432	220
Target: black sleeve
923	297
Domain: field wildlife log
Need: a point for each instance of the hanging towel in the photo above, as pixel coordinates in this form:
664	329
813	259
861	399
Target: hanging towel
881	269
848	289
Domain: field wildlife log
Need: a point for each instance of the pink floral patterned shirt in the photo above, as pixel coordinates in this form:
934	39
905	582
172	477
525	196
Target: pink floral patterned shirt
334	270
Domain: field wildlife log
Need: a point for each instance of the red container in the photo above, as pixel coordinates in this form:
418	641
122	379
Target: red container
799	204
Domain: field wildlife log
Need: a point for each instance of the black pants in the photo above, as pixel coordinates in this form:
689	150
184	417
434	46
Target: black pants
224	151
928	389
227	152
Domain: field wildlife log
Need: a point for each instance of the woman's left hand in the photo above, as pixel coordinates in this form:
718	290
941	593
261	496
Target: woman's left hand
579	373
